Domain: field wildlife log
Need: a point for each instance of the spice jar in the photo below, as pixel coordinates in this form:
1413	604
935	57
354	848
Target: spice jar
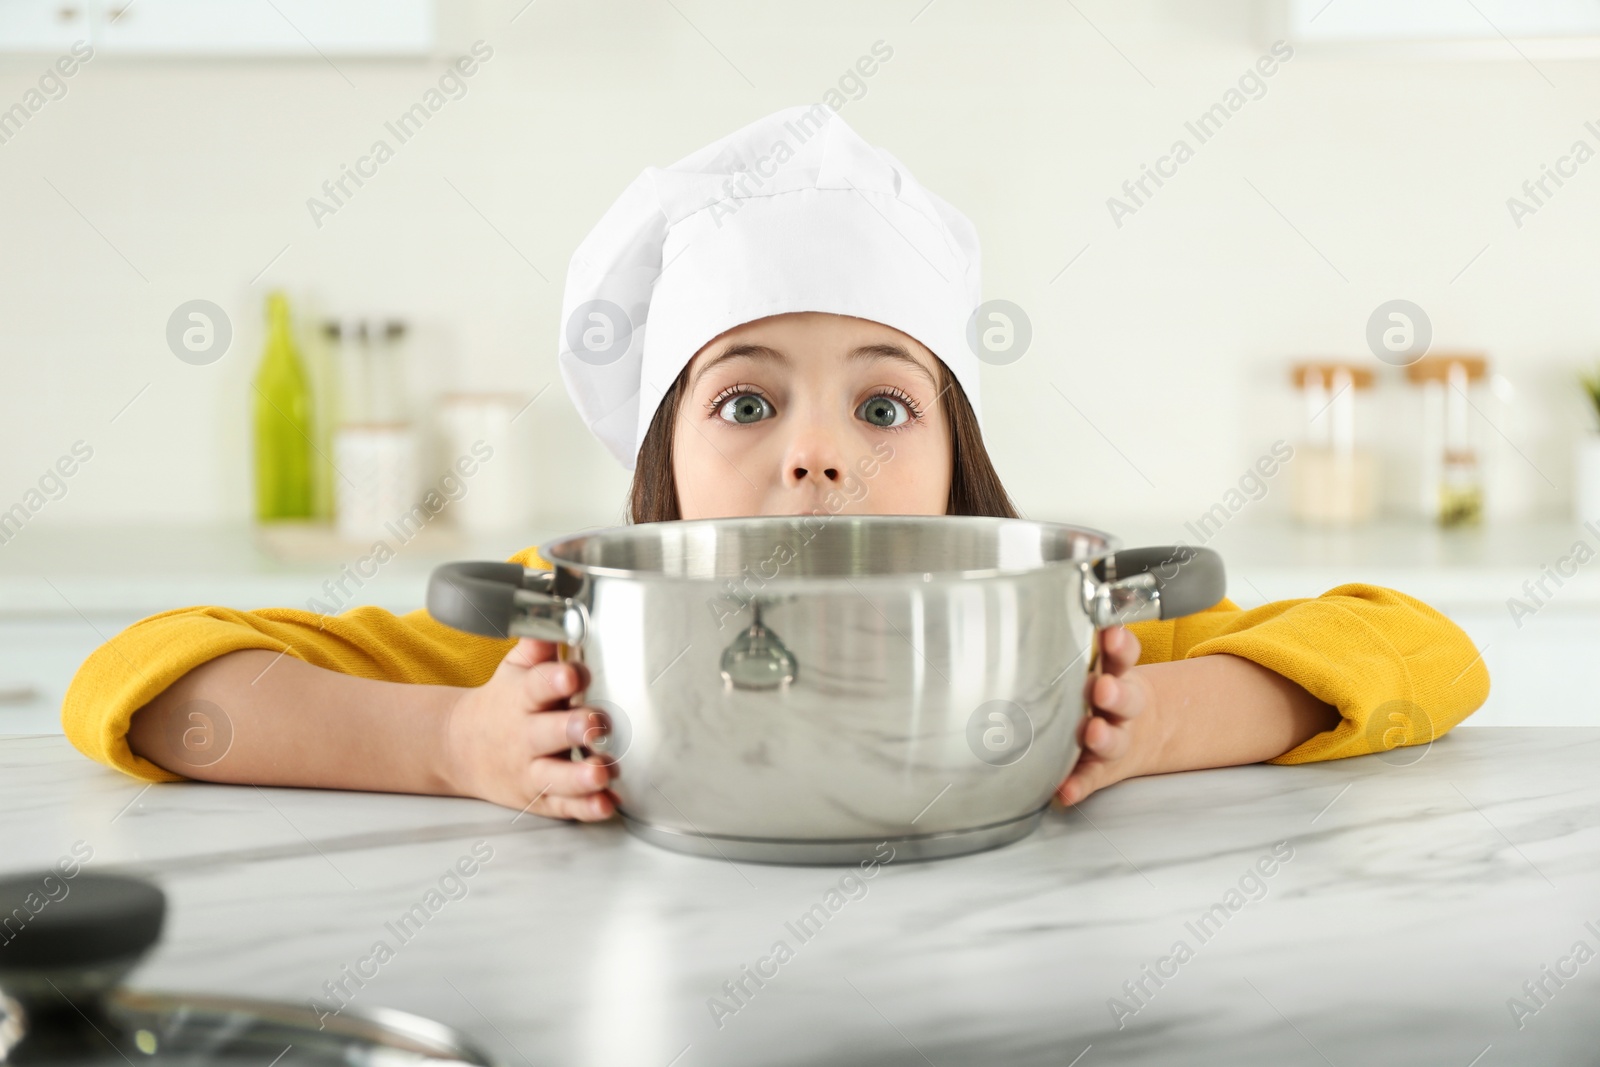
375	447
1452	469
484	461
1335	471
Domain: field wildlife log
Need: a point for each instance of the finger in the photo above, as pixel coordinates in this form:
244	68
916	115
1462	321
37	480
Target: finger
1089	775
1120	650
1118	698
526	652
1105	739
593	732
560	730
591	808
604	759
549	684
566	778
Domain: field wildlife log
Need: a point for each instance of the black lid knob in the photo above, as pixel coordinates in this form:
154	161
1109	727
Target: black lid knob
50	921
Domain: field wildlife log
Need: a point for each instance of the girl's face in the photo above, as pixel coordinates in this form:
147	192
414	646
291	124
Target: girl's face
807	412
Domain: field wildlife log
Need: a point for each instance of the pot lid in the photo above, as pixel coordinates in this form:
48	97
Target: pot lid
68	939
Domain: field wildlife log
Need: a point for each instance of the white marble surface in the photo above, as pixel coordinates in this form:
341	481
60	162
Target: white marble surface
144	569
1419	899
140	570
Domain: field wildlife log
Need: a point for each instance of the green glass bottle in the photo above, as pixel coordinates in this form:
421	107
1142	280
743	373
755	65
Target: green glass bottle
282	398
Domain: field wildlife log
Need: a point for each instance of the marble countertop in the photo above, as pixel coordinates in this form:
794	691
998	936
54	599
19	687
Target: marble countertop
138	570
1375	910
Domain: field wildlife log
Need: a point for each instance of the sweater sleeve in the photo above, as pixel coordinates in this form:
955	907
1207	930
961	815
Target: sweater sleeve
1398	671
131	669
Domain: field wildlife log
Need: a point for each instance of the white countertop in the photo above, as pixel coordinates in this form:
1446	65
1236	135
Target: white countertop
1418	900
1469	567
62	592
141	570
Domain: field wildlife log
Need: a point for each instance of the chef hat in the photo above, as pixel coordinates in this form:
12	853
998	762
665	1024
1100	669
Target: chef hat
794	212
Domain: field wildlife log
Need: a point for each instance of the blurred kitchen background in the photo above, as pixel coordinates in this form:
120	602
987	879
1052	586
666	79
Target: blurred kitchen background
1340	335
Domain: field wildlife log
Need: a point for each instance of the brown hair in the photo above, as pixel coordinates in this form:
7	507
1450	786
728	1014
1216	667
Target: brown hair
975	488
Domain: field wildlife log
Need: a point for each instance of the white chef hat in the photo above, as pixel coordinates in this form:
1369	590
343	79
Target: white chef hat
794	212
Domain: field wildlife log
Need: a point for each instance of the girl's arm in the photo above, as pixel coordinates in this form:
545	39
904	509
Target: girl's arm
263	718
1360	669
1210	711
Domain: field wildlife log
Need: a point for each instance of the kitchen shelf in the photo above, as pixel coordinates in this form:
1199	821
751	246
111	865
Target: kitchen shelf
313	29
63	571
64	590
145	569
1471	567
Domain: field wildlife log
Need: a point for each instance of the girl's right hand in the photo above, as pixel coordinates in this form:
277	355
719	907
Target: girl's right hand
508	740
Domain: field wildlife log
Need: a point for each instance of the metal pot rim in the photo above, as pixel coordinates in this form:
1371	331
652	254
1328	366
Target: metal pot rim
554	554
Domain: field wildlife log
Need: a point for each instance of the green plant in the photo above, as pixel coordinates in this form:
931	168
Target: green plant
1591	385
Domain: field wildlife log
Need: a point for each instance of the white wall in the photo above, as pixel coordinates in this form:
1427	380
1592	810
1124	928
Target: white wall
1170	333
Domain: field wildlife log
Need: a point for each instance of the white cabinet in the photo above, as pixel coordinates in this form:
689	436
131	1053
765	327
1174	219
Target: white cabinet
1439	20
1544	673
38	658
221	27
1521	31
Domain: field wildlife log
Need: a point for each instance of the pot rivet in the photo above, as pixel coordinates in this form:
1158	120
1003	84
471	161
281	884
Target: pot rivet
757	659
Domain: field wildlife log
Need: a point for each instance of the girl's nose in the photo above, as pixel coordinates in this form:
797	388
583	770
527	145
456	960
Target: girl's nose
815	456
830	473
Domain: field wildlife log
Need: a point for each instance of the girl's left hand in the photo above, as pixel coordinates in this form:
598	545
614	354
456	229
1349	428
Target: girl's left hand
1117	737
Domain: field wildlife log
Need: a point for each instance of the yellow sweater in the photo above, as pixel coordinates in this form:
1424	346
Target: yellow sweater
1398	671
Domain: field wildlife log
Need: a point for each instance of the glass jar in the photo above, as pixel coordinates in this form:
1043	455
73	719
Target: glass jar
376	451
1335	471
1452	466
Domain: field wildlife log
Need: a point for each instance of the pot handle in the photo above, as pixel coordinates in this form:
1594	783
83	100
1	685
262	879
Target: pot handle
1136	584
494	599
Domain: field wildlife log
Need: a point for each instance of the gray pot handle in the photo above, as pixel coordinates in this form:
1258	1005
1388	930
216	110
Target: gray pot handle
1137	584
495	599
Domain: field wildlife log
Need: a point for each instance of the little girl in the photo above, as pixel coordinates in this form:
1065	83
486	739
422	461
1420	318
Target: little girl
743	329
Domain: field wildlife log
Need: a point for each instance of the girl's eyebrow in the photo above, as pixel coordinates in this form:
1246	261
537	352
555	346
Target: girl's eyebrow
895	352
741	351
878	351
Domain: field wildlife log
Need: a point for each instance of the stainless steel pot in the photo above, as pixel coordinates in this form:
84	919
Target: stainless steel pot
804	689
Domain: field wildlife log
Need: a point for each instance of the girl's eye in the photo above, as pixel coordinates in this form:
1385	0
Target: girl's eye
745	408
885	412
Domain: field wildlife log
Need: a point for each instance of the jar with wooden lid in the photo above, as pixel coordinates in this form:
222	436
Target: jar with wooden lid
1335	470
1452	465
